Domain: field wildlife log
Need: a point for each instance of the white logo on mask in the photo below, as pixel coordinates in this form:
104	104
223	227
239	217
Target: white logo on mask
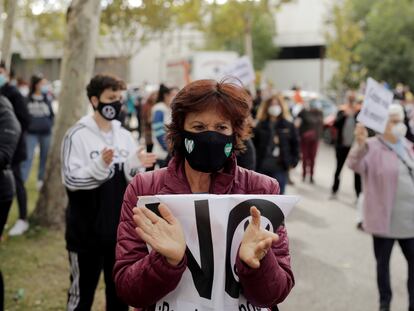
109	111
189	145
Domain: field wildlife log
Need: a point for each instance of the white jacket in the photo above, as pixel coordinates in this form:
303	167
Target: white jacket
82	165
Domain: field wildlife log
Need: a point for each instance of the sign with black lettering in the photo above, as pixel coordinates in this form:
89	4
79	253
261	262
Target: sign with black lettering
214	226
374	112
242	70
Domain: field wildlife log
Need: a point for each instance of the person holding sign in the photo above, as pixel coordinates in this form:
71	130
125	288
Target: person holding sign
204	136
386	164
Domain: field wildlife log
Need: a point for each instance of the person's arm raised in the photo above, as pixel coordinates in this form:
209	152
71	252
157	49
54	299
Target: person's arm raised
355	159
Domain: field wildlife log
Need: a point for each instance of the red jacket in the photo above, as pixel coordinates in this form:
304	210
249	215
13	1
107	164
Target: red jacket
142	279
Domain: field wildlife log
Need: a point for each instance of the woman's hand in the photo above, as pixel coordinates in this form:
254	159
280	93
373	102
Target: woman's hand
361	134
165	235
256	241
147	159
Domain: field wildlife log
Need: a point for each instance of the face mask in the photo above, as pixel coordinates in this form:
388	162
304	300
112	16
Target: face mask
24	90
44	89
110	111
274	111
3	80
207	151
399	130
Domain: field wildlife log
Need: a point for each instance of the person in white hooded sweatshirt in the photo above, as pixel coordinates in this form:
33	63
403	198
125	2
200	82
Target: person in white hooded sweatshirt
99	158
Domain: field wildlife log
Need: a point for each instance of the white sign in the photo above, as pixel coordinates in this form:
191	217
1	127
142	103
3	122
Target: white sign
213	227
374	112
241	70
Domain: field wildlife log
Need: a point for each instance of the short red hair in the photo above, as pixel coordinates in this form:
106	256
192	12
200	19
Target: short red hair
229	100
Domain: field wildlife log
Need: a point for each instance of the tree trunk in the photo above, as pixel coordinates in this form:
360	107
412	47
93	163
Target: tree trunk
6	54
248	41
77	65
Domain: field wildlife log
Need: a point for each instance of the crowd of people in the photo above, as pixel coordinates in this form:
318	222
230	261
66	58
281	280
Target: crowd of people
240	144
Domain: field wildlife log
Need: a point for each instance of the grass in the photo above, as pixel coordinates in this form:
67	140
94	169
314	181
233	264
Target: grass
35	266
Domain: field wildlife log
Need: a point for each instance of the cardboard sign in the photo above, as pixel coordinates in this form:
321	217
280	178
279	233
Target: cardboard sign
214	226
241	70
374	112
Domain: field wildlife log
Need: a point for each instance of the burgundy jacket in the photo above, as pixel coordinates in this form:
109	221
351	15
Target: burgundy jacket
143	278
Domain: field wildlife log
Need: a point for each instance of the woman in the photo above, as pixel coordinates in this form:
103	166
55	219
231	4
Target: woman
310	123
276	141
247	157
161	117
212	115
146	118
386	164
9	137
40	128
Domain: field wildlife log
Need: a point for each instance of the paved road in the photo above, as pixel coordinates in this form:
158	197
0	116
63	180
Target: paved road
332	261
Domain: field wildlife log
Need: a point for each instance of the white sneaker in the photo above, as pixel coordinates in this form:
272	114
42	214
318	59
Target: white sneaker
20	227
39	185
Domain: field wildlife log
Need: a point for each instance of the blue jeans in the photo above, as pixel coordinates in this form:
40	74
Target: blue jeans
281	177
44	142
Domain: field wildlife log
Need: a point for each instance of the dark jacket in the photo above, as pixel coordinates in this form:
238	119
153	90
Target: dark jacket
288	144
311	120
143	278
9	136
339	125
247	158
410	135
20	109
41	115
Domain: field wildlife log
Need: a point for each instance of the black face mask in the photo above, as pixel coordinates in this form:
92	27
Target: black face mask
109	111
207	151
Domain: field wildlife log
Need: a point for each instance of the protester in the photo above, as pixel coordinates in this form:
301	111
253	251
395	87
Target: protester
256	103
310	123
408	105
20	109
161	117
276	141
345	124
399	93
211	115
40	128
98	157
9	137
23	87
147	120
297	96
386	164
247	158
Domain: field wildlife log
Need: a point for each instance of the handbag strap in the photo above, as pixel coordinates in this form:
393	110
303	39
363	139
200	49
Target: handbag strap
410	169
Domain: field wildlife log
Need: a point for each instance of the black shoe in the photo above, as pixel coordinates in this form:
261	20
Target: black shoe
312	181
384	308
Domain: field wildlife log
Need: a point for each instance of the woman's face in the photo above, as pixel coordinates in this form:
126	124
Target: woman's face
41	84
208	120
393	121
274	102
